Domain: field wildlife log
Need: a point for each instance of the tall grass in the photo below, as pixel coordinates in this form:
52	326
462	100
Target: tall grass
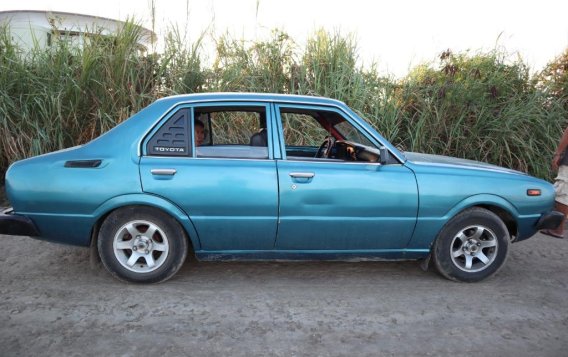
480	106
63	96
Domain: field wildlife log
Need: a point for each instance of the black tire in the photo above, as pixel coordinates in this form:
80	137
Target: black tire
472	246
142	244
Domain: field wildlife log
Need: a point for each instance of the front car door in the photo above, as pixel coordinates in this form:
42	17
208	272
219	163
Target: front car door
227	185
345	200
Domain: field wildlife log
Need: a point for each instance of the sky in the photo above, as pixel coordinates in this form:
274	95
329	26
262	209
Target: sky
396	34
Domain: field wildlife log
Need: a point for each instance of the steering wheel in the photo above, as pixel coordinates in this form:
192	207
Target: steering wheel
324	150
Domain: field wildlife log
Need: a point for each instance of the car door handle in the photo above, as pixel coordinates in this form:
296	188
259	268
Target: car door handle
302	174
163	172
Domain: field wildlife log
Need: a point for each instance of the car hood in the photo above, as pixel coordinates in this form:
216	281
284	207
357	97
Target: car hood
428	159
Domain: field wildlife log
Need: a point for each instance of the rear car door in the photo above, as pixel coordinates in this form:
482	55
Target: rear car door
228	187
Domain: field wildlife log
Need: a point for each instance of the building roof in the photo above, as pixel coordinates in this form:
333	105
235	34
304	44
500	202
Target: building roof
68	21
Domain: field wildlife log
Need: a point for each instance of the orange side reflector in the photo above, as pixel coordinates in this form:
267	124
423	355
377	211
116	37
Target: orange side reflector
533	192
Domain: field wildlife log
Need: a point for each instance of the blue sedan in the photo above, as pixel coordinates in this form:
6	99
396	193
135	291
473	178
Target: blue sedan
256	177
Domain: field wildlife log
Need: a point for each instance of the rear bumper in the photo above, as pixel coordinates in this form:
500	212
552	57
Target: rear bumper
14	225
550	220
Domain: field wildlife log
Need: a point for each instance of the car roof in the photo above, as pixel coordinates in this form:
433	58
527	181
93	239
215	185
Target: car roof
263	97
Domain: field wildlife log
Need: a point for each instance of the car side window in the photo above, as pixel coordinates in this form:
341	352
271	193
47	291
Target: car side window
172	139
324	135
302	129
350	133
230	132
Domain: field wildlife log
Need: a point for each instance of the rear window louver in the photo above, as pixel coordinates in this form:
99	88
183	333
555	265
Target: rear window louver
172	139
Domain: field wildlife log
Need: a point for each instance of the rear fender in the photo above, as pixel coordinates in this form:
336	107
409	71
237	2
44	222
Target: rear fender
152	201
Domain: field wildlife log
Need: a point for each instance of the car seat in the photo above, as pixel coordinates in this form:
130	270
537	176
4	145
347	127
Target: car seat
259	139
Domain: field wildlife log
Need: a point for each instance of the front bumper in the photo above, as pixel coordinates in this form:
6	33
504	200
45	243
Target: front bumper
14	225
550	220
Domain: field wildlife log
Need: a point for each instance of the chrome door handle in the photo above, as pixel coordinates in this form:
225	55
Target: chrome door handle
163	172
302	174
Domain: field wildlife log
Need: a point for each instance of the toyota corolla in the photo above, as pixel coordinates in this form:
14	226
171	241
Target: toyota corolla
259	176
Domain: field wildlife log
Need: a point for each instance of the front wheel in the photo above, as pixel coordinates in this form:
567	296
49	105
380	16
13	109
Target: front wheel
141	244
472	246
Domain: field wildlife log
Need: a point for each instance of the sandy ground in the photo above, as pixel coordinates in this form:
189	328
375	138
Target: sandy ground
53	302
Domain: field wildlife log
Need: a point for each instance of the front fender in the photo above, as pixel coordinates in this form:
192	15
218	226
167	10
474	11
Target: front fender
483	199
427	228
152	201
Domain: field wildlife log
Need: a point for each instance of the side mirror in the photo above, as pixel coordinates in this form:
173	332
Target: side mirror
385	155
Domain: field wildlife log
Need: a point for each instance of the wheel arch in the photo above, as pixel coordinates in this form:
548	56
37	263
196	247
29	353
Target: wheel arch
428	228
496	204
156	202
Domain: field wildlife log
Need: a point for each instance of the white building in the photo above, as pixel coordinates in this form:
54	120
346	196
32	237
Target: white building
28	27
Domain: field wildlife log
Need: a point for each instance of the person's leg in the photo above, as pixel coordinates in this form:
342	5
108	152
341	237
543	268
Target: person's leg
561	201
564	209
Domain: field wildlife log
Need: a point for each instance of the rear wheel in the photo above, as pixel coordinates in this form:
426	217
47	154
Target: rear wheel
472	246
141	244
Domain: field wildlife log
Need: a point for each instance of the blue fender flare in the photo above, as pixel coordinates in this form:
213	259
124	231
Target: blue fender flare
483	200
428	228
152	201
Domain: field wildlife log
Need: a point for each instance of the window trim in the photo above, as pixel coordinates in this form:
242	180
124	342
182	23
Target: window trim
233	104
345	115
191	107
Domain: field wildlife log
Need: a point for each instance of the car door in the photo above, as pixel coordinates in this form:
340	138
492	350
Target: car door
331	204
228	188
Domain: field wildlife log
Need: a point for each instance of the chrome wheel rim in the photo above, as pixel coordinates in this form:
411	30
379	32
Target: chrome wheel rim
474	249
141	246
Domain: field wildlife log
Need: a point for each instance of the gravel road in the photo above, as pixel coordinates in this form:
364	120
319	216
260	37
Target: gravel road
53	302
